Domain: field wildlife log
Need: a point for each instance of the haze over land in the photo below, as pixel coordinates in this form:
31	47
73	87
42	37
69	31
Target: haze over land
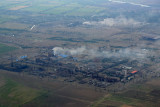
80	53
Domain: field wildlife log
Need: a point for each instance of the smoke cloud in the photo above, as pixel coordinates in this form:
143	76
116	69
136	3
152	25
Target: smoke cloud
119	21
92	53
67	51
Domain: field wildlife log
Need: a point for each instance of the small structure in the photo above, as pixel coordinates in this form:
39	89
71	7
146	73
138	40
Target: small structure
23	57
63	55
133	72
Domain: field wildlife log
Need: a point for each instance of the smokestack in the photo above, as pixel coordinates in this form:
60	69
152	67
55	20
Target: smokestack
125	73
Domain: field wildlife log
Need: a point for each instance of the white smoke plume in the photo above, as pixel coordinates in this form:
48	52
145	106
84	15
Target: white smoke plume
67	51
122	53
119	21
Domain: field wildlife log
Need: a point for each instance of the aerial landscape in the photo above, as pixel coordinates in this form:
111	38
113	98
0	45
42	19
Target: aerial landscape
80	53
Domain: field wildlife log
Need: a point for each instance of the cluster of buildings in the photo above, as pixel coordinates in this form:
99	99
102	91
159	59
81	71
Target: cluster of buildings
100	72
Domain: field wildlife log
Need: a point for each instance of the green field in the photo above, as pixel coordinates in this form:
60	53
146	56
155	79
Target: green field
5	18
16	94
56	7
36	9
61	10
72	40
27	91
138	95
5	48
85	11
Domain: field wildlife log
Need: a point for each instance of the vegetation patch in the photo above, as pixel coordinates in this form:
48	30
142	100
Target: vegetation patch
125	100
14	26
36	9
64	9
5	48
5	18
100	101
72	39
135	94
85	11
16	94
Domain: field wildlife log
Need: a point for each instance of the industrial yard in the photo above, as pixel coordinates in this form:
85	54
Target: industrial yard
98	71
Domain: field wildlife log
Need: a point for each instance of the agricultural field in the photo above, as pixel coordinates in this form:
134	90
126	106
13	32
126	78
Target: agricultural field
138	95
53	7
30	91
5	48
86	11
14	93
6	18
18	26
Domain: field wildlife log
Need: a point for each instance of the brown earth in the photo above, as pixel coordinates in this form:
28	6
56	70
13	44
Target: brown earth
18	7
